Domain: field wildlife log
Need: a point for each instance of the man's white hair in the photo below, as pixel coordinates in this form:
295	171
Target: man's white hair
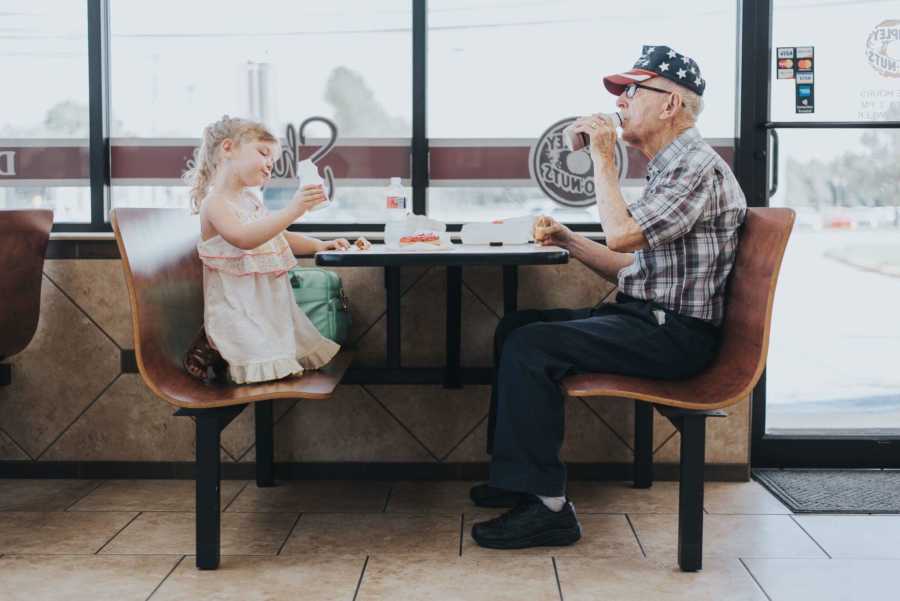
692	103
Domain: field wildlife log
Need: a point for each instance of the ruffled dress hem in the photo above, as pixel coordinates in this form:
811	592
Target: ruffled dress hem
276	369
320	355
263	371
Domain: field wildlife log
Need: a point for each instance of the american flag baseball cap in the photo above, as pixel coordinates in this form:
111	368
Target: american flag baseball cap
659	61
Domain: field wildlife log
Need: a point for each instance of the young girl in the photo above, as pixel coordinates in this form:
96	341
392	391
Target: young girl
250	315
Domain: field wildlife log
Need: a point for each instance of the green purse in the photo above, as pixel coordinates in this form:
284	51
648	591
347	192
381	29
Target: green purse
320	294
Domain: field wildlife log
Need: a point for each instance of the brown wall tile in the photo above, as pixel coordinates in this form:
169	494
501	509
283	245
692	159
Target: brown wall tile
351	426
98	288
439	417
72	360
9	450
570	286
67	364
127	423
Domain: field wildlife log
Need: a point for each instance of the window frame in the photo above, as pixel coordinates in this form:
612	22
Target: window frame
101	147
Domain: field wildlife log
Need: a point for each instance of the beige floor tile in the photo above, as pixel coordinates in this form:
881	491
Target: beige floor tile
329	496
729	536
42	495
826	579
601	536
855	536
741	498
375	534
449	496
81	578
588	579
174	533
151	495
620	497
58	533
265	579
459	579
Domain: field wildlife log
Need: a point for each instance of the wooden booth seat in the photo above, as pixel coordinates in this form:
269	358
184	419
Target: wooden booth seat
165	287
24	235
729	379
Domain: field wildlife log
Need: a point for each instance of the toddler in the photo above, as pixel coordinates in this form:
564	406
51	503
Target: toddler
250	315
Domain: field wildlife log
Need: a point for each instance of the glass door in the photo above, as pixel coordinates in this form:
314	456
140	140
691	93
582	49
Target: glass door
832	387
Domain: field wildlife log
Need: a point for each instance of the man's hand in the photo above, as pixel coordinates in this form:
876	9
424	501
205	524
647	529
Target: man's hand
549	232
601	131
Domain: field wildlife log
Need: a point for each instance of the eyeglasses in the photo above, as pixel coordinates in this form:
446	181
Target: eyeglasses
632	88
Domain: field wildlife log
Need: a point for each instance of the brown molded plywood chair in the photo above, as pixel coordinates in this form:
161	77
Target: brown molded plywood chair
729	379
24	235
165	287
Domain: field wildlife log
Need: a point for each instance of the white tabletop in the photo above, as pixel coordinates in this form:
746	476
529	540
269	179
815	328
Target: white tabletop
456	254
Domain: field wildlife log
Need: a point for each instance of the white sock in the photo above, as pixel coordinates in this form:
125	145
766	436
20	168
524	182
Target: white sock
553	503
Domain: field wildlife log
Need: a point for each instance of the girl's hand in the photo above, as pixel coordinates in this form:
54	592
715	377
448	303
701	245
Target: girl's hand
309	196
338	244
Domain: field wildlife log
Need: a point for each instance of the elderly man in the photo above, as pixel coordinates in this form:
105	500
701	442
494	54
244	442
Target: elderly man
670	252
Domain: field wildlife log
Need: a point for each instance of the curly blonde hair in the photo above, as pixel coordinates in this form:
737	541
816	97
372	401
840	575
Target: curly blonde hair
206	158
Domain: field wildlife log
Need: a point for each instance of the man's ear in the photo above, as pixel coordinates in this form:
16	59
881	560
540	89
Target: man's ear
673	103
227	145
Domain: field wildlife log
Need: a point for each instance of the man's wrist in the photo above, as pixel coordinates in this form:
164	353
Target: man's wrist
571	243
605	169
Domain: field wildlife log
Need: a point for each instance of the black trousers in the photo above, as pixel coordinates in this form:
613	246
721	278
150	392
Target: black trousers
535	349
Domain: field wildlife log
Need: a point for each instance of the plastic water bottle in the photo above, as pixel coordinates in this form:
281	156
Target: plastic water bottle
396	203
309	176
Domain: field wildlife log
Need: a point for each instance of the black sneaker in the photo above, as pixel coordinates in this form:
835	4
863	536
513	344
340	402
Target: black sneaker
529	524
485	495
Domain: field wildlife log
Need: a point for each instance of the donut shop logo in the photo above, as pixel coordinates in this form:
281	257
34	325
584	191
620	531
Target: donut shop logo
878	45
567	177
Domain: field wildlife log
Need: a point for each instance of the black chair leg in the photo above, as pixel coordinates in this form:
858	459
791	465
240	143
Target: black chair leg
208	468
643	444
209	504
265	444
690	492
5	374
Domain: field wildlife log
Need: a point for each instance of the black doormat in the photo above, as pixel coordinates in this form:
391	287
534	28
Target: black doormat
834	491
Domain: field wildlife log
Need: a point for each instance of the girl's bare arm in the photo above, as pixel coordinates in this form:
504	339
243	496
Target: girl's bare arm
247	236
303	245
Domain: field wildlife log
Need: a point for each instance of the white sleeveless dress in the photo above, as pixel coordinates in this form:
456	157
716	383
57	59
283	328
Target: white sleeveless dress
250	315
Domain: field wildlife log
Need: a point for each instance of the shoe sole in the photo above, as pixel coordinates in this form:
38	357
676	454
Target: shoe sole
498	504
550	538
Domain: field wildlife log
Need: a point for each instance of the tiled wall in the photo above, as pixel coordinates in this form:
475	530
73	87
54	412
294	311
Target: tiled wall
69	400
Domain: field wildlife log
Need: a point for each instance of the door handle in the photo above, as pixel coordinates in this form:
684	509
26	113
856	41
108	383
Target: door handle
774	188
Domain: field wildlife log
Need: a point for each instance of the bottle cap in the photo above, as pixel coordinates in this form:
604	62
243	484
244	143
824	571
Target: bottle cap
395	181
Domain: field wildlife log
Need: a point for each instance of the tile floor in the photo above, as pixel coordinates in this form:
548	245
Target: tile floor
133	540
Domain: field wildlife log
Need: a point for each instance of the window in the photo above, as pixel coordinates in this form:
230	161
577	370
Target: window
44	116
834	341
348	61
502	72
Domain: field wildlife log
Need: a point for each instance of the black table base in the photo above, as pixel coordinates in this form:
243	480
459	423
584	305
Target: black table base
453	375
453	351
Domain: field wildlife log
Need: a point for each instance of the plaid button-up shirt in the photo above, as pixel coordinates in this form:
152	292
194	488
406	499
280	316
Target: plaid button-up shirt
690	213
